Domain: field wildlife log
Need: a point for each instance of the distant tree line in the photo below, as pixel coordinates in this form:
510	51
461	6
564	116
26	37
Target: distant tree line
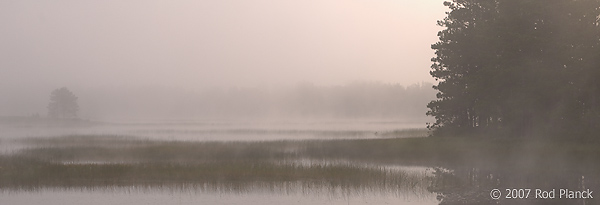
303	100
357	100
518	68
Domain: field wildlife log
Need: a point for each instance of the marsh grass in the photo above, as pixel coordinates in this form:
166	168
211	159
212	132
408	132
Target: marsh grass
238	166
25	173
419	151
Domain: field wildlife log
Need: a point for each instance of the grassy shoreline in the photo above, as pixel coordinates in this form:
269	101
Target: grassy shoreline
125	161
425	151
18	173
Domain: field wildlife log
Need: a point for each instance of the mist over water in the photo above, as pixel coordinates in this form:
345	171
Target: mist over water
286	102
259	170
268	161
142	145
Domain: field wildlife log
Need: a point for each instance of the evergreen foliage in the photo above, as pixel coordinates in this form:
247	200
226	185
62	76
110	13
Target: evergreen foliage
518	68
63	104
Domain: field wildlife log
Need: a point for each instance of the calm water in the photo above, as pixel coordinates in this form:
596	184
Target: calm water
410	189
375	183
220	130
11	135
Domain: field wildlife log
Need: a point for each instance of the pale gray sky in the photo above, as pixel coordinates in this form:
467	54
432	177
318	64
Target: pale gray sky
195	43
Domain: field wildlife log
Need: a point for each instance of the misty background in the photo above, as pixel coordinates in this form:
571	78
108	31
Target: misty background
304	100
191	59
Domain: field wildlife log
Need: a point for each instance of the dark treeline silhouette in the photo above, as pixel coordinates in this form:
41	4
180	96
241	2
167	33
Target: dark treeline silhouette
518	68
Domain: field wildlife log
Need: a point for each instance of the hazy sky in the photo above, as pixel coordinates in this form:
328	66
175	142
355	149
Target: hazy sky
195	43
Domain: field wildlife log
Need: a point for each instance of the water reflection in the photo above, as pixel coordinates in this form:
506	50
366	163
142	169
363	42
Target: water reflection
517	185
332	182
134	196
151	167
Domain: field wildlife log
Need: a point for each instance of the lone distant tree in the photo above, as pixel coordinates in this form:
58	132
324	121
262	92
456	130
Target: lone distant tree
63	104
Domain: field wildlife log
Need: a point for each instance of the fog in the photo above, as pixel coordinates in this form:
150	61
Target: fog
304	100
195	83
109	48
296	102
